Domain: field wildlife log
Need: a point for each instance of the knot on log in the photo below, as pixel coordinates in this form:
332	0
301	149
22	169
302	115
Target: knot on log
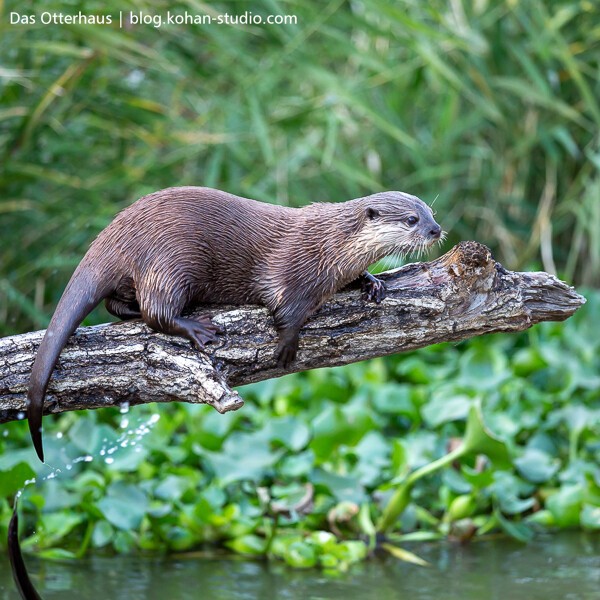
472	256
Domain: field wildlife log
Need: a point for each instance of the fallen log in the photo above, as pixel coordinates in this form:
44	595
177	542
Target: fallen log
462	294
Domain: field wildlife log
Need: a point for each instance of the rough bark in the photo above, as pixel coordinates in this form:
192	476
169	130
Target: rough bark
457	296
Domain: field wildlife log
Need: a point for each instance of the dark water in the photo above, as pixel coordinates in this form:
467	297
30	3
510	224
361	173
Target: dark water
564	566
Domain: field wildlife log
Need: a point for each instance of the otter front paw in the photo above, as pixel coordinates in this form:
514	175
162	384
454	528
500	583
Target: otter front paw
373	289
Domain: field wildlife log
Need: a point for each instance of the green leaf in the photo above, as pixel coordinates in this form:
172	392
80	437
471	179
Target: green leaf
536	466
512	494
282	541
364	520
290	431
102	534
590	517
416	536
172	487
351	551
124	506
325	539
300	555
405	555
443	408
297	465
480	440
393	398
127	459
245	456
566	504
57	497
373	453
14	478
87	436
343	488
516	530
57	554
181	538
334	427
541	517
57	525
124	542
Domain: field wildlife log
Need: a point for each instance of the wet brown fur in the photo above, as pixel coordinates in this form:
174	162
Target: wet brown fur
188	245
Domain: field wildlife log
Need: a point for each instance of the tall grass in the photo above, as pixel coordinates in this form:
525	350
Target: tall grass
492	107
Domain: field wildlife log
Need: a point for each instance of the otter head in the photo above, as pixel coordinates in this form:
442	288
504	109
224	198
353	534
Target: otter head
397	223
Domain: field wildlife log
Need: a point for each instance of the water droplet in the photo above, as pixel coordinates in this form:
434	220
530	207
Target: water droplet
124	408
124	423
86	458
59	435
20	415
109	460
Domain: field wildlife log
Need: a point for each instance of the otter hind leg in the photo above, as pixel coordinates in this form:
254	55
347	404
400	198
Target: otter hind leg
163	314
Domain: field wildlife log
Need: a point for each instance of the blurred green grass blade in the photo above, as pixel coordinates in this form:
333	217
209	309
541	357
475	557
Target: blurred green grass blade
260	127
15	297
58	48
524	91
54	92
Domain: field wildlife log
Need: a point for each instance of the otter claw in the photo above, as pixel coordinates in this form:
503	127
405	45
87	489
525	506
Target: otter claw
201	331
200	339
286	353
374	290
286	357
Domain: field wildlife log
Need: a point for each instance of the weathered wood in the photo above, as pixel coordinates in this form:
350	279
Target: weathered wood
459	295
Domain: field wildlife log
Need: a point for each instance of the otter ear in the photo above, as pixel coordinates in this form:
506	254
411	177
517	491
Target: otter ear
372	213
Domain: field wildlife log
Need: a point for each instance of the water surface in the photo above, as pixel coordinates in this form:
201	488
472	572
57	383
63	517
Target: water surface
563	566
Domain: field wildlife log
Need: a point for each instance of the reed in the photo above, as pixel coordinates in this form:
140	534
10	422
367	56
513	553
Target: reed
490	107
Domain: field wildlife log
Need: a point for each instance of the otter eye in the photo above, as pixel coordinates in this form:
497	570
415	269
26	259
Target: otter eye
372	213
412	220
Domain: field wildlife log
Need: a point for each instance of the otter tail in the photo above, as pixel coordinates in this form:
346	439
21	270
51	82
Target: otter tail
86	288
17	564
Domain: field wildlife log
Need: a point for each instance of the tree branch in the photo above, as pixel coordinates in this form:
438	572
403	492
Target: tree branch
457	296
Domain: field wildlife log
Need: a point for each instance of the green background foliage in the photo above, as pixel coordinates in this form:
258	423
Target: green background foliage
489	107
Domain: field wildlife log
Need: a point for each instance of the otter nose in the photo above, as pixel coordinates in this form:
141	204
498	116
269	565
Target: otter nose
435	231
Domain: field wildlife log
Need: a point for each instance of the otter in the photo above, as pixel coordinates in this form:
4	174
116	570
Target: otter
183	246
